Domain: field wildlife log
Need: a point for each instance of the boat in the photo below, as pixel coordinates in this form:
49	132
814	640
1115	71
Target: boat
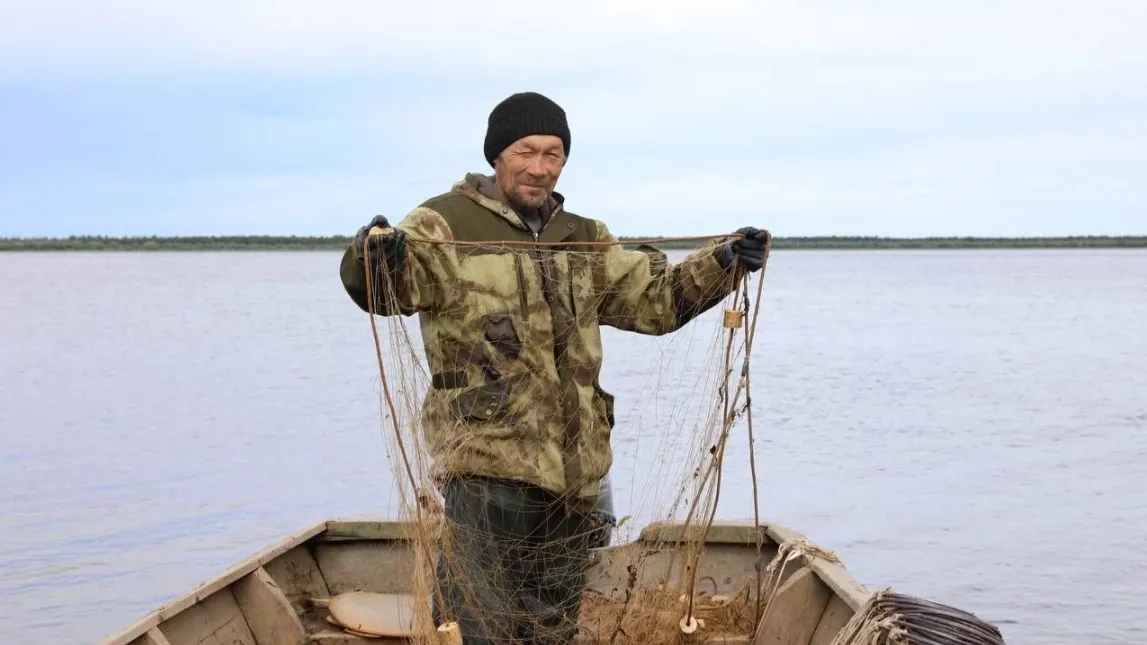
284	595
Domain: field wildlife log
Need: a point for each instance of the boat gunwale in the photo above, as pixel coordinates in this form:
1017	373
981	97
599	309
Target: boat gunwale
213	585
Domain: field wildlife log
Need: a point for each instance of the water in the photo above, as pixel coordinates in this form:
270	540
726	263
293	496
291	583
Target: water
967	426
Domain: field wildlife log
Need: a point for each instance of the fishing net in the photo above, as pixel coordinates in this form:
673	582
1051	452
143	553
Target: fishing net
891	618
509	562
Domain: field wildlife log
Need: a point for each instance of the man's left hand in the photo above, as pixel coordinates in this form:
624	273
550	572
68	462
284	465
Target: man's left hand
390	246
750	249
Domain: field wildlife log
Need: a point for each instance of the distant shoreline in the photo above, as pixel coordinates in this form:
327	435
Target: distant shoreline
338	243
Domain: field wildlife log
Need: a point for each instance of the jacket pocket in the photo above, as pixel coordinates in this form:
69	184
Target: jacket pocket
581	286
522	285
603	405
499	330
485	403
595	449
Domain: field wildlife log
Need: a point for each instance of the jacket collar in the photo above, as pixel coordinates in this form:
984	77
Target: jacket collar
481	189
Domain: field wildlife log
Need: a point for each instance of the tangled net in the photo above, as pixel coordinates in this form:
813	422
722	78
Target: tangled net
890	618
683	471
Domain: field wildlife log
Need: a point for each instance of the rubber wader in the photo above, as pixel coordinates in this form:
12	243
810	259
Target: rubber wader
514	562
604	519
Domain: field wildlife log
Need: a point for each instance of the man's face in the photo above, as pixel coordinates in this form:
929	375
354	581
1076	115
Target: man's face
528	170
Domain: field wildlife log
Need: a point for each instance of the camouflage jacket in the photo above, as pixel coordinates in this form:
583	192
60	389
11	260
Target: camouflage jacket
511	333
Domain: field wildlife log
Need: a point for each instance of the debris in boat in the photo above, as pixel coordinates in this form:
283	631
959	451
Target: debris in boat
655	614
449	634
371	615
352	632
691	629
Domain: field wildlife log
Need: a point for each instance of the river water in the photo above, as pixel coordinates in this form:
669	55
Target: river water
968	426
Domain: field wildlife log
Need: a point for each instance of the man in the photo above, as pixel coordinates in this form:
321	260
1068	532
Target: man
516	420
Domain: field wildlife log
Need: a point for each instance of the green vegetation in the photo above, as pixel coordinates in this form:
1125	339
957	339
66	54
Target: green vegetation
189	243
339	242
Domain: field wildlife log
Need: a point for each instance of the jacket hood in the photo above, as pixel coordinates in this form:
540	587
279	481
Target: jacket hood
477	184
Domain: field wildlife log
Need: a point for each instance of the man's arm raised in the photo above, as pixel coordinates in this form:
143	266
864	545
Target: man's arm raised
418	258
646	294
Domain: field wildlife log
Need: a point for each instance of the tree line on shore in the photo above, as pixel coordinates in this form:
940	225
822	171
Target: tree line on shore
340	242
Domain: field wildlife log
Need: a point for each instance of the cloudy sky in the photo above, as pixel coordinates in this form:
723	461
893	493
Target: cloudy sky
883	117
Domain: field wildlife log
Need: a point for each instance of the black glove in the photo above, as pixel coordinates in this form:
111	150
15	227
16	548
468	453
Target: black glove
750	249
391	246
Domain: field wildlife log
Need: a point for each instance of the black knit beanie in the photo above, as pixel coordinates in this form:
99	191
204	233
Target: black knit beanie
521	115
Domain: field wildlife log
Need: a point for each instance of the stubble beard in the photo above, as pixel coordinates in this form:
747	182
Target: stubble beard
522	202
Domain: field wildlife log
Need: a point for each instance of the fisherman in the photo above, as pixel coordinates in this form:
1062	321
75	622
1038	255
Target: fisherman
516	421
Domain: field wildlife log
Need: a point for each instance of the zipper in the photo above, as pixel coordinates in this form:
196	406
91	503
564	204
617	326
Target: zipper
570	282
521	270
546	223
521	282
537	261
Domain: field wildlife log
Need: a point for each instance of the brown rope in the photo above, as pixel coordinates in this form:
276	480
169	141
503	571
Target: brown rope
742	289
715	464
749	420
649	241
719	456
423	534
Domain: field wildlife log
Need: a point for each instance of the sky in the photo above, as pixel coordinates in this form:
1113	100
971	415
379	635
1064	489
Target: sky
819	117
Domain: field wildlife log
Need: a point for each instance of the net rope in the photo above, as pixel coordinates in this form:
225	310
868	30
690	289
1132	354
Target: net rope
685	471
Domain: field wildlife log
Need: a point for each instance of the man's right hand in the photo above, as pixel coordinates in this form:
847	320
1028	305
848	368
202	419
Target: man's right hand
749	249
389	246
